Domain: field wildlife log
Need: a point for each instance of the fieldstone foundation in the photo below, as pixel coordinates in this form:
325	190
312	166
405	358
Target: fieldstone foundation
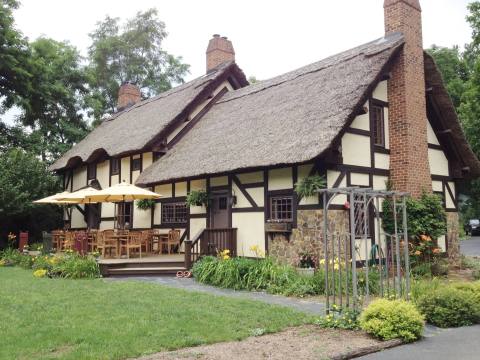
308	236
452	238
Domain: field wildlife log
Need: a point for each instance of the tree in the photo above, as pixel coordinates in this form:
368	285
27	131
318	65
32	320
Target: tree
461	73
130	53
52	109
25	178
14	54
454	70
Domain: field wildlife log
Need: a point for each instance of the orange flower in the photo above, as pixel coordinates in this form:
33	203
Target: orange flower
425	238
436	250
418	252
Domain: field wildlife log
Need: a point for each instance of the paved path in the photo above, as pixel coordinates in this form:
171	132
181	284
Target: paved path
438	344
471	247
307	306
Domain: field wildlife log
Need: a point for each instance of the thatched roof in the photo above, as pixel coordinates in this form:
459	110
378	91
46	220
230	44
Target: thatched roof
289	119
132	129
446	109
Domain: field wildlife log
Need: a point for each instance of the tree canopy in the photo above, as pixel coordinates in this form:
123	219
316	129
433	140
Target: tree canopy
461	73
130	52
58	95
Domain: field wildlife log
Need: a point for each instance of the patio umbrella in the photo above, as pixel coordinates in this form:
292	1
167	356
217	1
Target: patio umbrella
81	196
55	199
58	199
121	193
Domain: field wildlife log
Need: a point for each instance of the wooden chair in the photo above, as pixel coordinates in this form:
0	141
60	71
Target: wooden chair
173	240
147	241
57	240
68	242
106	243
92	240
134	243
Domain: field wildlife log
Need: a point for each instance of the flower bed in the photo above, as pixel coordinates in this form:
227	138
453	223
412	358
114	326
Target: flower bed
68	265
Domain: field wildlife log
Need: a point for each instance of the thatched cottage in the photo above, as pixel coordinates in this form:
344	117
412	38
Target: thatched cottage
375	112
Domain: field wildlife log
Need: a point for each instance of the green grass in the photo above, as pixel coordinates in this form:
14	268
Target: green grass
98	319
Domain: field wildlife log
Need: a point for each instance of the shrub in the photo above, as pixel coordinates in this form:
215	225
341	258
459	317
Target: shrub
340	319
387	319
450	305
75	266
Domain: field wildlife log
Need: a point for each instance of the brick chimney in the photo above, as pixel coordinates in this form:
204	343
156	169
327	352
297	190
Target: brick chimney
219	51
128	95
409	167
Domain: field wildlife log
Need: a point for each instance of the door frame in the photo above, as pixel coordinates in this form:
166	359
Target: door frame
217	193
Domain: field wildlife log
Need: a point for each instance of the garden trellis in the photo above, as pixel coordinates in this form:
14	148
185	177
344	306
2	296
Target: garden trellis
387	254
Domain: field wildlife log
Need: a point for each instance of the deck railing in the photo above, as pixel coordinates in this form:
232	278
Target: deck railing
210	242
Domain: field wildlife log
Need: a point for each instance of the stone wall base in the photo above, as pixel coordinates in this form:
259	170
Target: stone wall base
308	236
453	239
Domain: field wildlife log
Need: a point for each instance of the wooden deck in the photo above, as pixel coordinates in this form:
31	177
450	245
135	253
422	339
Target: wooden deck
147	265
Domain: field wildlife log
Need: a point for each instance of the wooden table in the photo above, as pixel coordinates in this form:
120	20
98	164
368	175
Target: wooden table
120	238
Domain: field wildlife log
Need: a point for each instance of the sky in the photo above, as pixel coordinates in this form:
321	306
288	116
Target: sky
269	37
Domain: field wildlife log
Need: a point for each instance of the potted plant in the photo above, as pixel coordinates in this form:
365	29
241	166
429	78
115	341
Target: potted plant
307	263
197	198
145	204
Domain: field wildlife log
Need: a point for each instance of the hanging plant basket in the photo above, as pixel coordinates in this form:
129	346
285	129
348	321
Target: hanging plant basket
145	204
197	198
309	186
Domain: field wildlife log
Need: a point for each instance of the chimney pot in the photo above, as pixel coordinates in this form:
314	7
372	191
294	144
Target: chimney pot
129	94
220	50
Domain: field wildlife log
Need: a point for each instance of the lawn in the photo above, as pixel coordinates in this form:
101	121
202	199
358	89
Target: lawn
99	319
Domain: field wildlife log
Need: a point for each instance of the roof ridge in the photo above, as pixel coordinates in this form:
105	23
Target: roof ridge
346	57
167	93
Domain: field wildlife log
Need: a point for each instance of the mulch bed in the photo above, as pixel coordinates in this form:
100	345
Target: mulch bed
299	343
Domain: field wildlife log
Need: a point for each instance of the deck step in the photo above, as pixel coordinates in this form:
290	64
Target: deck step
156	270
153	264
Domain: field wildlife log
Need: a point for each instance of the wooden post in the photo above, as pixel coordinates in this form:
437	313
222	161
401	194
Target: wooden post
188	254
234	241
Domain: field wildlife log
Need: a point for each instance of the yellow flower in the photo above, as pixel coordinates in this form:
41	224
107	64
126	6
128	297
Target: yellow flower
40	273
322	262
2	262
226	257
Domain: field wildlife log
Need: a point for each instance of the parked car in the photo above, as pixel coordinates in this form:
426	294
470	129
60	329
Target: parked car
473	227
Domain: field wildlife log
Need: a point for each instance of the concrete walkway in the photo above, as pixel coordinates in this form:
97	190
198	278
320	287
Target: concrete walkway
438	344
307	306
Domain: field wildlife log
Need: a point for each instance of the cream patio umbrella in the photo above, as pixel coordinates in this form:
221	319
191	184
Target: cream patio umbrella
121	193
81	196
55	199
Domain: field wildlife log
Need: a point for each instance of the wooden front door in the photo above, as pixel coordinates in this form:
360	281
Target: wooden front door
219	210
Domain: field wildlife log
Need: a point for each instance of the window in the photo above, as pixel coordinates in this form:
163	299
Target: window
114	166
378	125
174	213
281	208
136	164
91	171
124	215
